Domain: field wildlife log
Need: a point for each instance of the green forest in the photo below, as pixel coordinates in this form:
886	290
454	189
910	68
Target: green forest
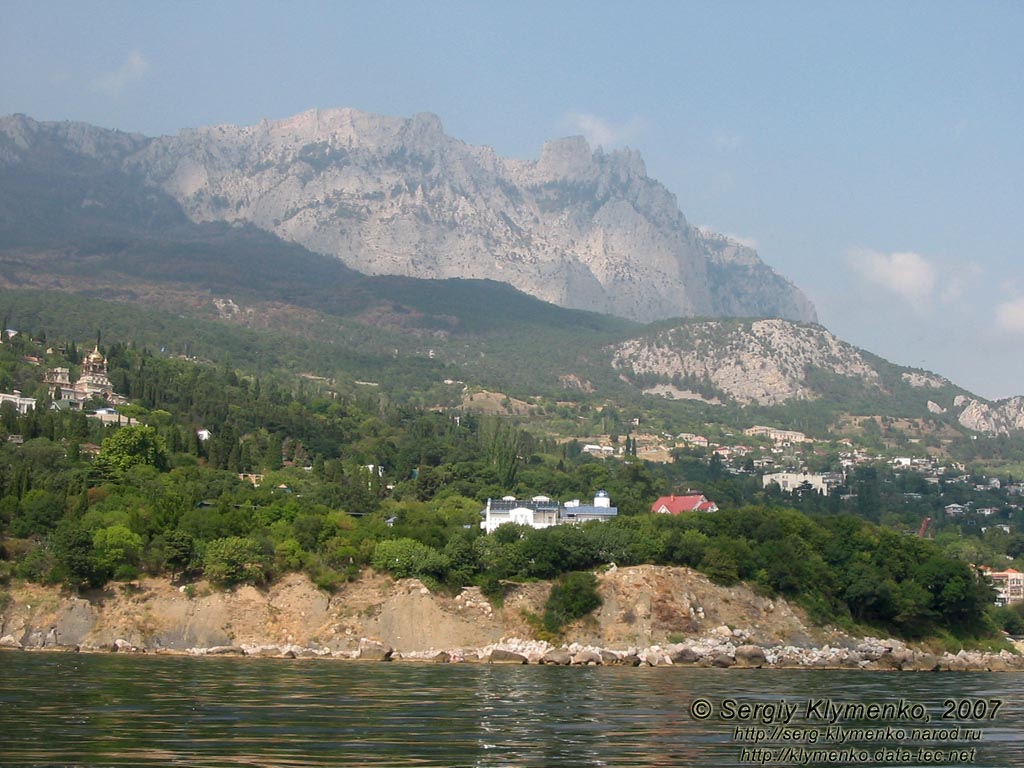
296	476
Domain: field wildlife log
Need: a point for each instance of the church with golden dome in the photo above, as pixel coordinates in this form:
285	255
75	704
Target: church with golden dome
93	382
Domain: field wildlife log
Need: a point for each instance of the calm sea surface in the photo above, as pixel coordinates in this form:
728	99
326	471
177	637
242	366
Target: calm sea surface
108	710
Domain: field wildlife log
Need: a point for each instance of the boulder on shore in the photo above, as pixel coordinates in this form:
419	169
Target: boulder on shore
499	656
750	656
557	656
723	660
684	655
225	650
374	650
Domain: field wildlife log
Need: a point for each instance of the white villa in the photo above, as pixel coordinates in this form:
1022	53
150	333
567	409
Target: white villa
790	481
21	404
543	512
777	435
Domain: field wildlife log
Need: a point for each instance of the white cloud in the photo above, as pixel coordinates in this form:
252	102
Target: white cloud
907	274
1010	315
961	281
132	71
601	132
724	141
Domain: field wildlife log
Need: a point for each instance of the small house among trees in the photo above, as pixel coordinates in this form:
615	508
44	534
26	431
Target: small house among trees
674	505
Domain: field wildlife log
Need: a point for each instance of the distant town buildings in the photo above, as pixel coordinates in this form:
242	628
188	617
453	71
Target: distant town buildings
543	512
690	438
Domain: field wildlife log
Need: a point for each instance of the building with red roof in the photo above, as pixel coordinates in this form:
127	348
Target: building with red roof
1009	585
674	505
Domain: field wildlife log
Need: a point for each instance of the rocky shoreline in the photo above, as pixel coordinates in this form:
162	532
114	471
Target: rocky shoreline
653	616
716	650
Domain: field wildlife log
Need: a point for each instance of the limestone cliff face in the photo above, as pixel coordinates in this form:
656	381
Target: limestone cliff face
1000	417
579	227
642	605
766	362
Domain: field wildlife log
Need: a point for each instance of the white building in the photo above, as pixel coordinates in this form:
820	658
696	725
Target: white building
111	416
543	512
21	404
790	481
777	435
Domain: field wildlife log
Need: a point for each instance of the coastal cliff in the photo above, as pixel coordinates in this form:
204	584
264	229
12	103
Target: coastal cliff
649	614
641	605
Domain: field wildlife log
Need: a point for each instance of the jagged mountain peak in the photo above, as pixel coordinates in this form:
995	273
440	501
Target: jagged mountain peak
572	159
579	227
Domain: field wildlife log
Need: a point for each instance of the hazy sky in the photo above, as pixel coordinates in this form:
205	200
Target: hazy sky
873	152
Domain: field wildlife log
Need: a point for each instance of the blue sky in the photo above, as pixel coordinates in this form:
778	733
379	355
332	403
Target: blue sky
873	152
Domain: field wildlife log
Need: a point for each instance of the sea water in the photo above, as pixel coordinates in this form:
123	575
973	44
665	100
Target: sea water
69	709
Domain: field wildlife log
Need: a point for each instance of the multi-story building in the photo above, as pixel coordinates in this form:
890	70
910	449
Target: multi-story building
543	512
1009	585
777	435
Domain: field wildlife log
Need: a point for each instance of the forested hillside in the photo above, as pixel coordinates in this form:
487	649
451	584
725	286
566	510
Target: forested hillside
297	475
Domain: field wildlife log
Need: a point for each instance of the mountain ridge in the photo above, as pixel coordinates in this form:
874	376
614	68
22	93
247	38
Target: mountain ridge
579	228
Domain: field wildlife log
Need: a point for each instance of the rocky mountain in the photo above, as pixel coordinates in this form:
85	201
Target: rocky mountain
777	362
764	362
580	228
1000	417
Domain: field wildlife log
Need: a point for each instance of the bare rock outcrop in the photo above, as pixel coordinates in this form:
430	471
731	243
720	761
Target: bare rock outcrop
1000	417
652	615
766	362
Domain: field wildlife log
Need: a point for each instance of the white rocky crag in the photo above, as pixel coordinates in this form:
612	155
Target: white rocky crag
763	362
580	228
1000	417
921	379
